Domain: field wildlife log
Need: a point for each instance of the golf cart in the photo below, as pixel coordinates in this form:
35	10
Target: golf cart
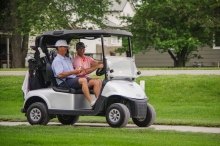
121	97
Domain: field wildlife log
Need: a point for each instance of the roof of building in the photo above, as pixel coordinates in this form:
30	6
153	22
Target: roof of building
112	24
118	6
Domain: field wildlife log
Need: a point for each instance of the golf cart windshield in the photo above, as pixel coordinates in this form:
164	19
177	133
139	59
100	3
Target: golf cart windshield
121	67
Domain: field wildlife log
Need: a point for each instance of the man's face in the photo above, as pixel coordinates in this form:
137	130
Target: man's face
80	51
62	49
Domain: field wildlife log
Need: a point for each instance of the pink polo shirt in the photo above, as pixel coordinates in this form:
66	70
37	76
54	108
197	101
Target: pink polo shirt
85	62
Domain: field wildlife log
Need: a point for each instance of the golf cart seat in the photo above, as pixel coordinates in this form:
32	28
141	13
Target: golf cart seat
66	89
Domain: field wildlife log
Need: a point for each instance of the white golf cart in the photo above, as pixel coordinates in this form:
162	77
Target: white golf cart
121	97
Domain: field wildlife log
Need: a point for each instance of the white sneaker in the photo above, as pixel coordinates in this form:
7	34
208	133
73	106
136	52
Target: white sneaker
92	103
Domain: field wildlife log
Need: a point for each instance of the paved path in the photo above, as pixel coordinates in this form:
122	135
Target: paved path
144	72
132	126
14	73
176	72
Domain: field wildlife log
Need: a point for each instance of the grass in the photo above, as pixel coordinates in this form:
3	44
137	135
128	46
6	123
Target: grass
178	100
185	99
180	68
71	135
13	69
149	68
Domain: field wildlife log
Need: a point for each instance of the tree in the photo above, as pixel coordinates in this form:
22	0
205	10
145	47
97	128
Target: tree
21	18
175	26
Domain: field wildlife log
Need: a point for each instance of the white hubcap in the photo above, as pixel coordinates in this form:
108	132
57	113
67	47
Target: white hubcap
114	115
35	114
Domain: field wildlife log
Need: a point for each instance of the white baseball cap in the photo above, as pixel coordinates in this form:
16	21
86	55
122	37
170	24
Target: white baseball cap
61	43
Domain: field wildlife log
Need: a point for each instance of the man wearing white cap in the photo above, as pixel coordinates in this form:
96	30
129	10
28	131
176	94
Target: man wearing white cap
63	68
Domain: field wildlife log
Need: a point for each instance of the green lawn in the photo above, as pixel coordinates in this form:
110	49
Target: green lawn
178	100
13	69
180	68
185	99
143	68
100	136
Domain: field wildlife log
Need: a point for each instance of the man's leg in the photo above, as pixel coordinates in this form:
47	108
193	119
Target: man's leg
77	83
96	84
85	89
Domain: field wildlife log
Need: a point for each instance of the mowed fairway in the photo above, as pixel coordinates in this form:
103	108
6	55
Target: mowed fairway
178	100
78	136
185	99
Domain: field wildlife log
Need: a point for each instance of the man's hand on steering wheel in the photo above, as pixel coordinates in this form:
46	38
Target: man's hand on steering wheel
100	65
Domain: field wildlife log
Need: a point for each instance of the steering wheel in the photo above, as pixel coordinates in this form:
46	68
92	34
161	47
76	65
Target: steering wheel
100	71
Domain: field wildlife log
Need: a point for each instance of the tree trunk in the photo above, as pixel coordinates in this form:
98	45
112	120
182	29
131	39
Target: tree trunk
19	46
179	59
181	56
24	49
19	42
174	58
16	47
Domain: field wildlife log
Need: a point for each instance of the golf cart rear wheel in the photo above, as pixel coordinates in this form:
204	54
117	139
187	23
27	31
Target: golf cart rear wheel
67	119
150	117
117	115
37	114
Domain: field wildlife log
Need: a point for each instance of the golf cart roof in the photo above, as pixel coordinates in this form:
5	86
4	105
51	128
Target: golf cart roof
83	34
49	38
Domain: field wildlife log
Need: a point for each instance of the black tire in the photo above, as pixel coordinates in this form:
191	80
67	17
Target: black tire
37	114
67	119
150	117
117	115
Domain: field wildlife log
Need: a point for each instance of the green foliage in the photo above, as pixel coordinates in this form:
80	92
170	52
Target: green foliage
41	15
22	18
181	26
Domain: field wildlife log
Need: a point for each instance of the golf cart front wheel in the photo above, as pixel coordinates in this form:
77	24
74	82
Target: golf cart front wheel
67	119
149	120
117	115
37	114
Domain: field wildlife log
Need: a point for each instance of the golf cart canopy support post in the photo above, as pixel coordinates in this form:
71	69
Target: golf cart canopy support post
103	55
129	45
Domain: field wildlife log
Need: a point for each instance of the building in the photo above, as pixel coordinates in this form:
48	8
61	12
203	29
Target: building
153	58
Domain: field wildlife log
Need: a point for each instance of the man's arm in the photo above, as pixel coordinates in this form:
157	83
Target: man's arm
66	74
89	70
95	63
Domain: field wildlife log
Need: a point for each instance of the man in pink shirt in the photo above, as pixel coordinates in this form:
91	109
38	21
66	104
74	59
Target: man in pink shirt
87	66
